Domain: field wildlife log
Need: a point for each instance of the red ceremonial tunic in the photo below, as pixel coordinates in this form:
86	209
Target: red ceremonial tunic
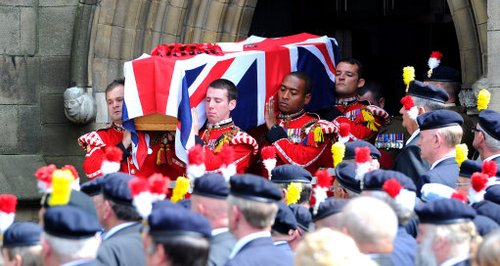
214	137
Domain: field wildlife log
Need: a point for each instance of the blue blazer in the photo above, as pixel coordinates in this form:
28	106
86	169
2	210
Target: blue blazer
260	252
405	248
446	172
409	161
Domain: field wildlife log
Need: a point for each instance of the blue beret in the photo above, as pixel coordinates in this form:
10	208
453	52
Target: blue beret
439	119
211	185
115	187
290	173
374	180
489	209
22	234
77	199
92	187
254	187
444	211
302	215
350	154
185	203
70	222
444	73
468	167
490	122
330	207
427	91
345	174
493	194
285	220
484	225
168	220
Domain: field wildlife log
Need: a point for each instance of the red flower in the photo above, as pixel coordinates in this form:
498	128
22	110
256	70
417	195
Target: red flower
268	152
8	203
196	155
479	181
392	187
323	178
362	154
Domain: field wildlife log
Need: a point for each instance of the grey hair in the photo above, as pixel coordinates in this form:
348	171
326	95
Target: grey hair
72	249
428	105
257	214
490	141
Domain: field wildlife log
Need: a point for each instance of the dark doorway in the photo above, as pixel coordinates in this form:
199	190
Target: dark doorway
385	35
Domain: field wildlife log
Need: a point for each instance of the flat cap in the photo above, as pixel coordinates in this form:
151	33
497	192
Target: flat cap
70	222
92	187
254	187
290	173
22	234
427	91
211	185
439	119
484	224
445	211
168	220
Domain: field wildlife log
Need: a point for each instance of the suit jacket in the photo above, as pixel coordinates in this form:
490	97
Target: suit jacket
285	247
123	248
445	172
405	248
220	248
409	161
260	252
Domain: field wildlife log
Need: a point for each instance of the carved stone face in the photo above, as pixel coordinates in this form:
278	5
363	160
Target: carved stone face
73	98
79	107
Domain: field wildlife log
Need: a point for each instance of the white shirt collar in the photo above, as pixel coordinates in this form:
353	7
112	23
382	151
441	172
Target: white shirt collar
453	261
414	135
76	262
277	243
218	231
447	156
246	239
220	123
492	157
115	229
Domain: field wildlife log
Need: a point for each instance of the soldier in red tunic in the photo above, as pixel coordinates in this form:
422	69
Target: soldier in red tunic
221	130
115	135
300	138
365	119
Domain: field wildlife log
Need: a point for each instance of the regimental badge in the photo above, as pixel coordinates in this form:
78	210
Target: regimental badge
389	141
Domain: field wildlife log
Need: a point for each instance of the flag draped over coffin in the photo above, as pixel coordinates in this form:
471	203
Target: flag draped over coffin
174	85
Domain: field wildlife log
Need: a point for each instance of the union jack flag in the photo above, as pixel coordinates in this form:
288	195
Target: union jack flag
172	86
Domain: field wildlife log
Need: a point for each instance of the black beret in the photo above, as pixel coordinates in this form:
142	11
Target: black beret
374	180
444	211
168	220
329	207
302	215
444	73
70	222
484	224
211	185
345	174
490	122
439	119
254	187
468	167
290	173
427	91
115	187
285	220
77	199
92	187
493	194
22	234
350	147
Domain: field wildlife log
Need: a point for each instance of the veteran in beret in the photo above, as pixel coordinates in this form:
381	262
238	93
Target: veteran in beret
284	175
487	136
21	244
252	209
441	131
176	236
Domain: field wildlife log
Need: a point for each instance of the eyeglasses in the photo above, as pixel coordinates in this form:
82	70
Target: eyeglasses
474	130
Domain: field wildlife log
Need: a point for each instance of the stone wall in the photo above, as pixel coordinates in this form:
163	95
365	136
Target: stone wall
494	52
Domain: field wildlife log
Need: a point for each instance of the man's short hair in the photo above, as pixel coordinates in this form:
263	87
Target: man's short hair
303	76
31	255
72	249
428	105
232	91
257	214
115	83
374	87
490	141
354	61
184	250
452	135
124	212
